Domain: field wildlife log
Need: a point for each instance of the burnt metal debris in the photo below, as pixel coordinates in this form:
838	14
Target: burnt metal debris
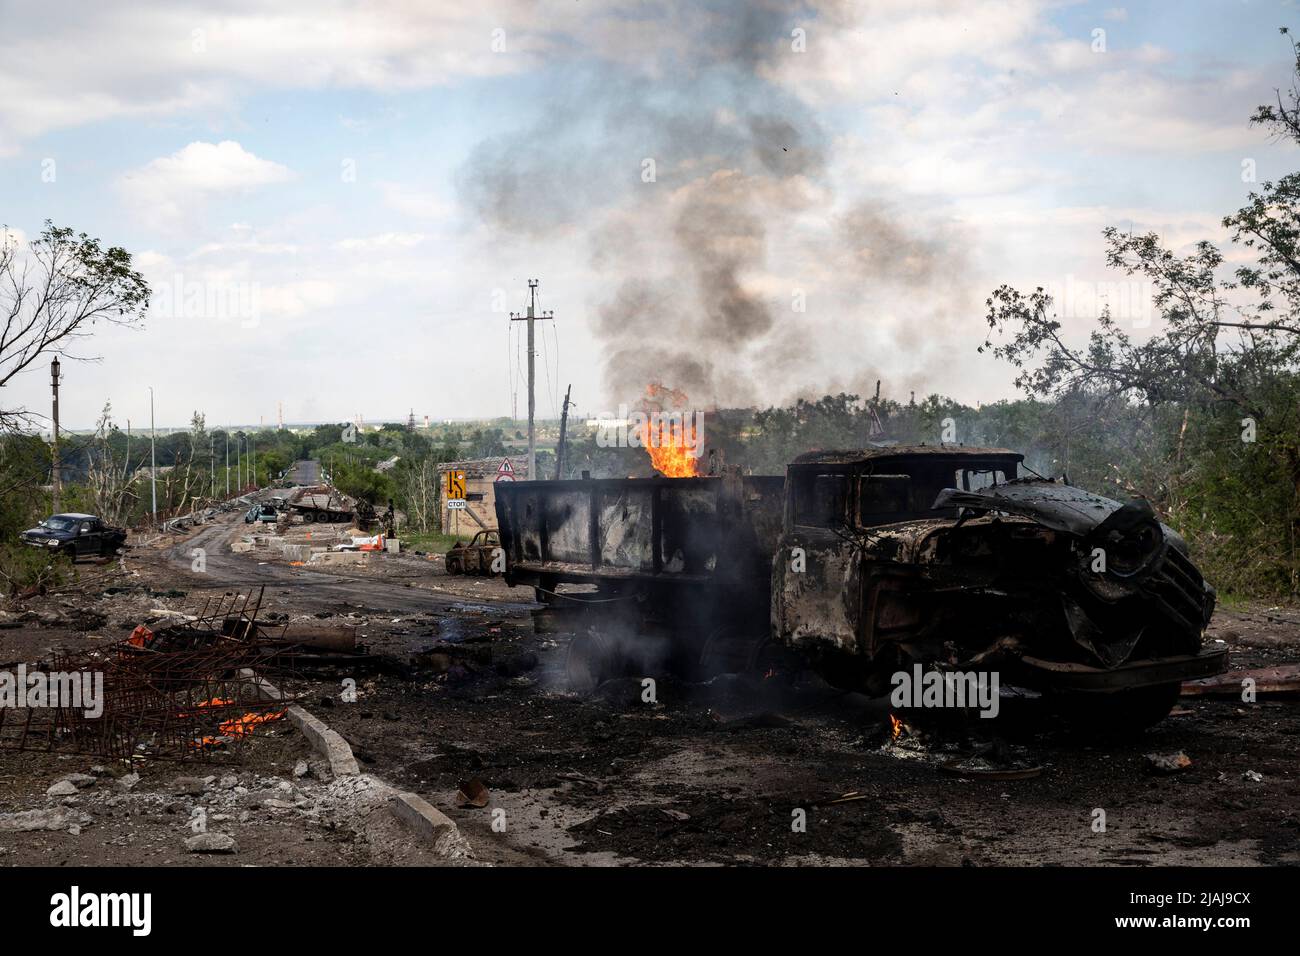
321	504
194	690
476	558
860	564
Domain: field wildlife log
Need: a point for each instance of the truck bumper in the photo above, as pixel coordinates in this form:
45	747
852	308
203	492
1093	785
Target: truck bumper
1166	670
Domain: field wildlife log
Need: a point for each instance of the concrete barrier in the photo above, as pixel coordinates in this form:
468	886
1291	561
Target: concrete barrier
340	557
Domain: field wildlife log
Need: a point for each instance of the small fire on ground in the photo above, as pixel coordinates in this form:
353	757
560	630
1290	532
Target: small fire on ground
235	727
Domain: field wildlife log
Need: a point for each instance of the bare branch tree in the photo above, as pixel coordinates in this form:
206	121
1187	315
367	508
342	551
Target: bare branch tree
113	489
53	292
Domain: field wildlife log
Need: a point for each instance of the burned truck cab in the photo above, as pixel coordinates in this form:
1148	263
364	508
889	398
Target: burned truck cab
948	557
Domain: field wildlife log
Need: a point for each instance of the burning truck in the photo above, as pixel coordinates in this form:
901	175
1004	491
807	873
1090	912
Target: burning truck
861	564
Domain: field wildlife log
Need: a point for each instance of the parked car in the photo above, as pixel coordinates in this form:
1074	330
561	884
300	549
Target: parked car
76	535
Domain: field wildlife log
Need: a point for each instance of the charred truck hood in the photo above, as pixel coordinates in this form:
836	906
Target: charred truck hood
1127	559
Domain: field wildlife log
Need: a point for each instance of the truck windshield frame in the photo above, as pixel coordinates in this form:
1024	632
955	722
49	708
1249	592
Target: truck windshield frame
820	498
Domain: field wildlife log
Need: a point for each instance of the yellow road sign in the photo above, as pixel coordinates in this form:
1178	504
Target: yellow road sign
455	485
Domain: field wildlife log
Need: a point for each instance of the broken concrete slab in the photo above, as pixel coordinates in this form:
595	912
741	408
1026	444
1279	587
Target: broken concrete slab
55	818
189	786
212	843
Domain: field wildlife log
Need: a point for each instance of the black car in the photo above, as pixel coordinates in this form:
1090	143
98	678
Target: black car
76	535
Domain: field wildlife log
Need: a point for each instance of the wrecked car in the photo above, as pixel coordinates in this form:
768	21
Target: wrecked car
862	564
477	557
76	535
260	513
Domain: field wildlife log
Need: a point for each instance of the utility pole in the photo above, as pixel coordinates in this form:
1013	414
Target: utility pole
239	464
227	461
252	447
564	425
530	318
153	459
54	382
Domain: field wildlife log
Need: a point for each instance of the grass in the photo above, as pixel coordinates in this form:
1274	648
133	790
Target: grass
432	541
1224	599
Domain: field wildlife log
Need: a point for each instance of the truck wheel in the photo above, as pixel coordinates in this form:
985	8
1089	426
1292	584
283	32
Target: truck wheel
1123	712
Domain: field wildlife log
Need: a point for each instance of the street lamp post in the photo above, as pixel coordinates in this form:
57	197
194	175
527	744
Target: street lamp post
58	484
153	460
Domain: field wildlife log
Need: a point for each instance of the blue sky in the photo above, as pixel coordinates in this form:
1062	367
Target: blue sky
377	183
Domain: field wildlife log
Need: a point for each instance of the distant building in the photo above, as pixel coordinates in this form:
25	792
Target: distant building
481	475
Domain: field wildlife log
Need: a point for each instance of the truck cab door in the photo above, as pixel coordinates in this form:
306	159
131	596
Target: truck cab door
86	539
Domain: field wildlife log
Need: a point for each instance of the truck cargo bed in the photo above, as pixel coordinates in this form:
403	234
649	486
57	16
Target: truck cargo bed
621	531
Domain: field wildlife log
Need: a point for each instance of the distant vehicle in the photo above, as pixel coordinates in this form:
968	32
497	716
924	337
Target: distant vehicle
76	535
262	512
323	505
475	557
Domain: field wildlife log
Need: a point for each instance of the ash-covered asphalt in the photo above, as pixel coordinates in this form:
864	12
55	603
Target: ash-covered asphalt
746	771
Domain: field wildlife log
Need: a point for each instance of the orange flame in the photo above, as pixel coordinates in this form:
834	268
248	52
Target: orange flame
669	443
896	726
241	726
236	726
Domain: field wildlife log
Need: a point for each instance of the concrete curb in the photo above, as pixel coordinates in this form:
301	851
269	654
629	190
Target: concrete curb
329	743
410	808
425	819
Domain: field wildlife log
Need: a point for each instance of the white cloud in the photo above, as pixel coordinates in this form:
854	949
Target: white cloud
167	189
210	167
